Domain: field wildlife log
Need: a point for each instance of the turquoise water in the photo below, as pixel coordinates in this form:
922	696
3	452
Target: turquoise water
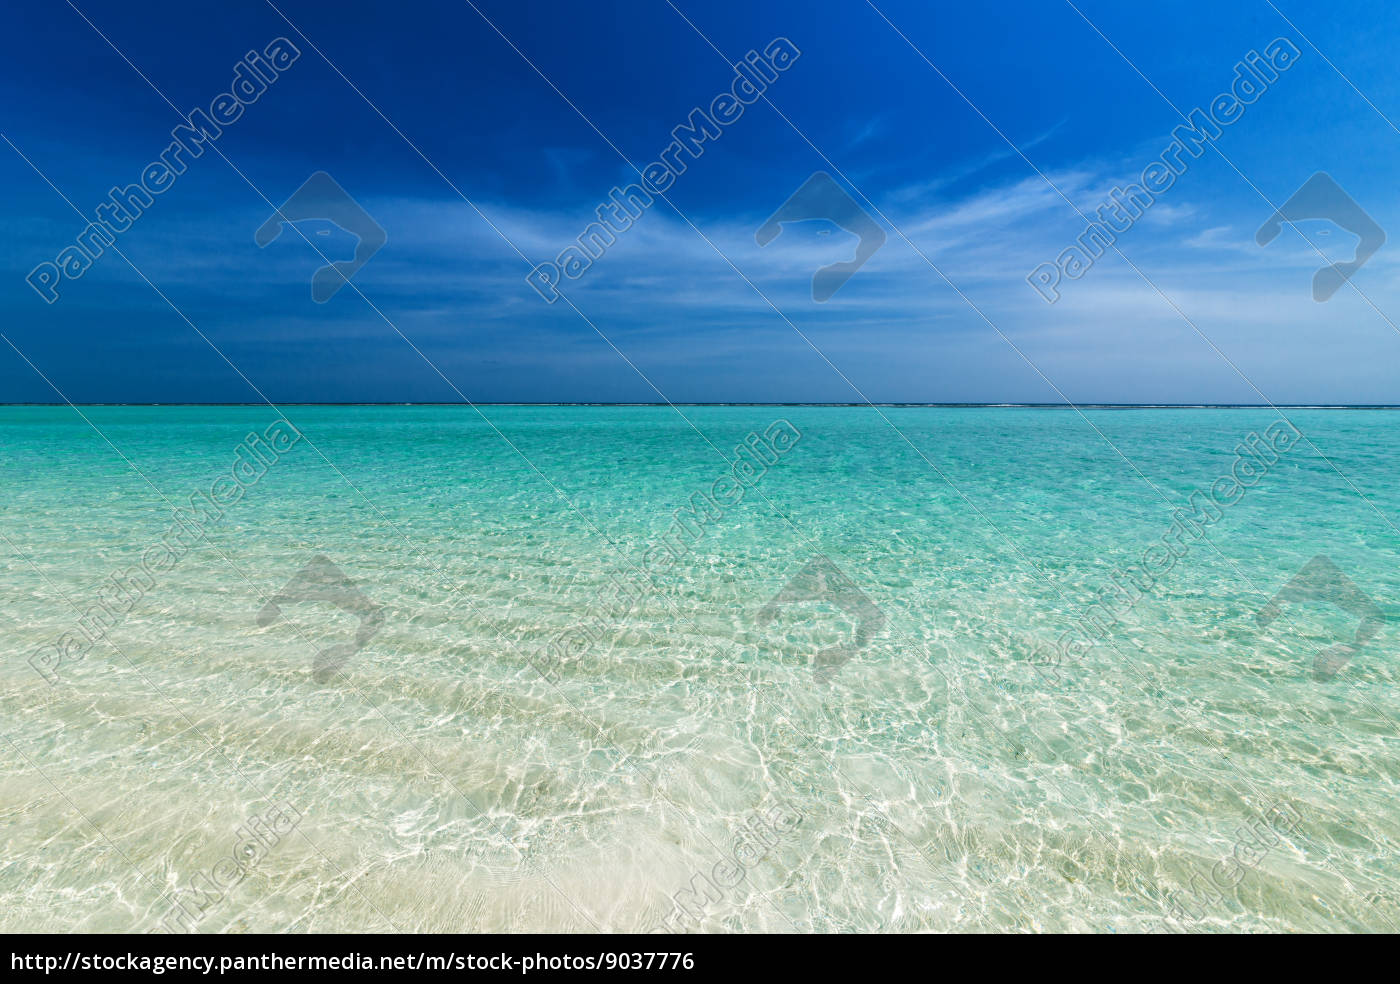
529	713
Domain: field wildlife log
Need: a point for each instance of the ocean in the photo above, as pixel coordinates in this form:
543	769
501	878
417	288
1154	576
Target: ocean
699	669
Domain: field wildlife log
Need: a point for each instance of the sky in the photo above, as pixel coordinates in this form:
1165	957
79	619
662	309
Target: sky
482	140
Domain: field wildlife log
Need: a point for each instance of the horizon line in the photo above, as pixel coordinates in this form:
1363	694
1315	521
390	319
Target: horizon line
677	403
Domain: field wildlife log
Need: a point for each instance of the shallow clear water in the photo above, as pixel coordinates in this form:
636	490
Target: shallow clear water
549	721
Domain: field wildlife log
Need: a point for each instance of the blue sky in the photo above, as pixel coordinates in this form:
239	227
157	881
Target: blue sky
443	310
